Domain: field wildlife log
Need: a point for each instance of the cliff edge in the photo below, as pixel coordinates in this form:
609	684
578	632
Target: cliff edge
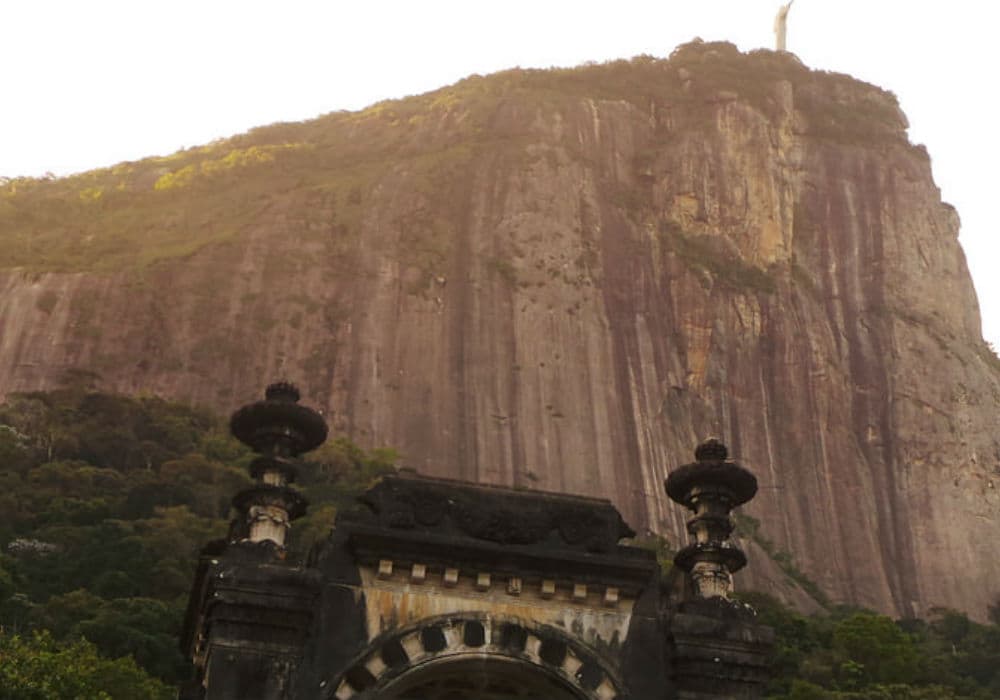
564	280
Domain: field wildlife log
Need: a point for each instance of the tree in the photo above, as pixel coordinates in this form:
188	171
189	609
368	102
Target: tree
875	650
39	668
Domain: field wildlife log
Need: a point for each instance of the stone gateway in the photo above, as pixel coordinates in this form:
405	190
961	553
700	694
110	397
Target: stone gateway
433	589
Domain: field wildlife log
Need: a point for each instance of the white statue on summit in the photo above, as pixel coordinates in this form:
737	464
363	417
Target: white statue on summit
780	25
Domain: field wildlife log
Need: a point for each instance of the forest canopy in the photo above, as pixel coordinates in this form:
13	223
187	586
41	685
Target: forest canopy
107	501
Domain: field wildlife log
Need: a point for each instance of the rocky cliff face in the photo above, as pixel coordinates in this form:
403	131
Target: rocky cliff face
563	280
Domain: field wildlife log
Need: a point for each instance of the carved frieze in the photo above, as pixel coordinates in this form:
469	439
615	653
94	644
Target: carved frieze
493	515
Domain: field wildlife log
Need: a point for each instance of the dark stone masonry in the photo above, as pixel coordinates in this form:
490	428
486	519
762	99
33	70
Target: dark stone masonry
433	589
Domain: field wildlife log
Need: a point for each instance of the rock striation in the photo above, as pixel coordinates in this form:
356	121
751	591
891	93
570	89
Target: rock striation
562	280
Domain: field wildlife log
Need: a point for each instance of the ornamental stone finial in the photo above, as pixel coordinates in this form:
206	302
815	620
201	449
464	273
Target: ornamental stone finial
712	450
711	487
278	429
282	391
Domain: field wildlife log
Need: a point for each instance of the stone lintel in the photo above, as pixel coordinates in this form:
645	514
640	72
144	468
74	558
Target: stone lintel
628	569
483	581
496	514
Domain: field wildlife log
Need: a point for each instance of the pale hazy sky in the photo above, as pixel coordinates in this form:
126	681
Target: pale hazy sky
89	83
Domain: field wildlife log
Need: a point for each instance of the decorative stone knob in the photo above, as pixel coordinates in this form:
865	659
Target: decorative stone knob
279	425
282	391
278	429
712	450
711	487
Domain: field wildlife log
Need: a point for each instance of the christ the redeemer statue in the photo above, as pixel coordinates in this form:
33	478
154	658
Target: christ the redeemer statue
780	26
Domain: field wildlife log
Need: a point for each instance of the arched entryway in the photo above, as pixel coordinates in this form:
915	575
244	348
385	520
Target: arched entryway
478	656
485	677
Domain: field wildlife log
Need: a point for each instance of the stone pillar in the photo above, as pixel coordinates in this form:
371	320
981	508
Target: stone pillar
711	487
279	430
250	610
717	648
247	624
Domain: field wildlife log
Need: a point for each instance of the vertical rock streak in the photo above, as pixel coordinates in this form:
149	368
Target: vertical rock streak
579	297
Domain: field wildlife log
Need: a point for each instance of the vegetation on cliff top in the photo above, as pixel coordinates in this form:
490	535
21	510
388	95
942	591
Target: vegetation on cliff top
108	500
136	214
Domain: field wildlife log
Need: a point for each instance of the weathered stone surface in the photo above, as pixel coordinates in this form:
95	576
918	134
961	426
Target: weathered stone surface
597	625
454	509
573	302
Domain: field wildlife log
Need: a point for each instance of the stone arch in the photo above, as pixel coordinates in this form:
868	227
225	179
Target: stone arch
526	653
